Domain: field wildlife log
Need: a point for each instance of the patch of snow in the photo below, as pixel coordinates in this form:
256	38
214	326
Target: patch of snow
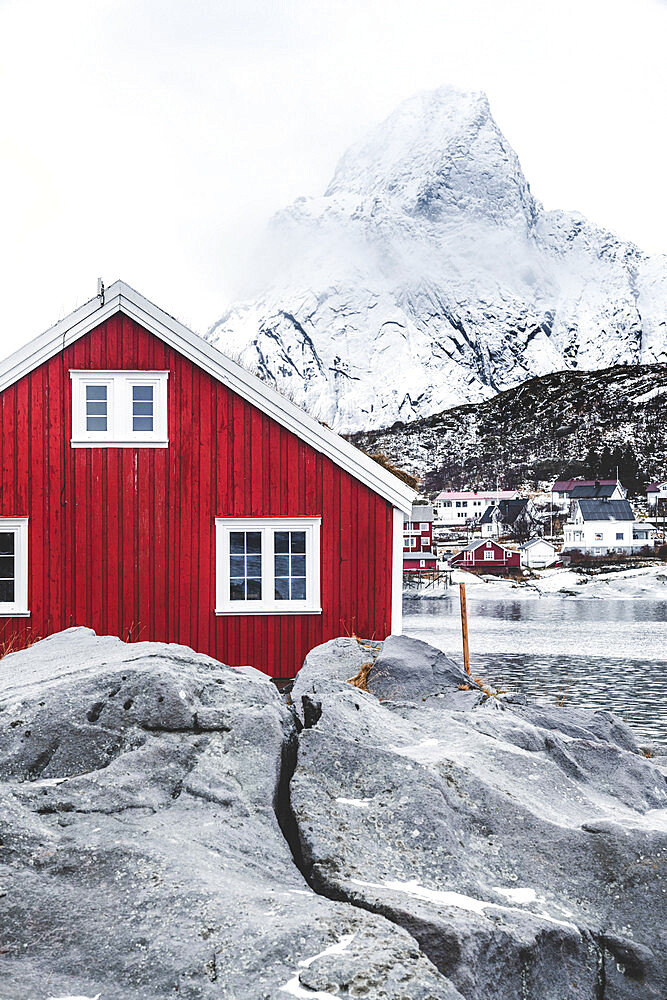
516	895
358	803
295	989
448	898
50	782
96	997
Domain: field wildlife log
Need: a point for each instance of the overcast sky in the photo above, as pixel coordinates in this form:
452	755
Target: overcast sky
152	140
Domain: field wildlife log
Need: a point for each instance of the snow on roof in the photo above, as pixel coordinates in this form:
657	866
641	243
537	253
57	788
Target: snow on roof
606	510
477	495
120	297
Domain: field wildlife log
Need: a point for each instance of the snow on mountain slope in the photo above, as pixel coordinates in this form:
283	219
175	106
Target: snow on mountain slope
428	275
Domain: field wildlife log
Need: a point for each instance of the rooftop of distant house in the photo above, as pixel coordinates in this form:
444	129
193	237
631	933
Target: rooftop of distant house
606	510
508	510
477	495
593	491
656	487
421	512
566	485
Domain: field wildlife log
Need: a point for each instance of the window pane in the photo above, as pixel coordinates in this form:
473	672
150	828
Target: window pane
298	541
142	409
281	565
237	590
96	392
7	591
6	567
254	565
298	588
237	566
96	423
282	589
142	392
6	542
254	590
96	406
281	541
253	541
298	565
142	423
237	541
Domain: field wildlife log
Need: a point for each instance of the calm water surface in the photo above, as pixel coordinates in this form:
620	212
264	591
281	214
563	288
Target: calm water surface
608	654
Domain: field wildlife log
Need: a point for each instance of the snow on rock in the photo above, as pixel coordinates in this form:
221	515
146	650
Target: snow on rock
428	275
538	868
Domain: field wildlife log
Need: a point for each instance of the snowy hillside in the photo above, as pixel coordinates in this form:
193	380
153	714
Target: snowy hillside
563	424
428	275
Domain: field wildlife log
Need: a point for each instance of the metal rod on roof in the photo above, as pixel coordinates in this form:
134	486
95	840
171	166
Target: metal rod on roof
464	628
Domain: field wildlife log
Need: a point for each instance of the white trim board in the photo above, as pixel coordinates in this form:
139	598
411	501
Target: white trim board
120	297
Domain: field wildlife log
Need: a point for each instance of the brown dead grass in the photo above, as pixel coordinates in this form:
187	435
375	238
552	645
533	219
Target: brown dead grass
360	680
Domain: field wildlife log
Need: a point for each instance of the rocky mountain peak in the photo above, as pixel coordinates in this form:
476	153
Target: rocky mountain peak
439	152
427	276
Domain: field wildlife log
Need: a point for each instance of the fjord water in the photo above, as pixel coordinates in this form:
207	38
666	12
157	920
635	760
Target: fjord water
609	654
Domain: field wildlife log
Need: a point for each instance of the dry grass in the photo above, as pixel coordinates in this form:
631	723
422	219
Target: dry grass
16	643
387	464
360	680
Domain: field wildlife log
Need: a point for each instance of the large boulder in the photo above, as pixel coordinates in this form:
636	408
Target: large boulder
147	839
523	847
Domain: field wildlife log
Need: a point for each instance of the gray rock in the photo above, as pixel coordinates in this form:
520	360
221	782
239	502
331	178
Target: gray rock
522	847
143	821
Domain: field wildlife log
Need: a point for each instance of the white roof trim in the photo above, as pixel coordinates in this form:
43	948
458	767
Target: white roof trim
119	297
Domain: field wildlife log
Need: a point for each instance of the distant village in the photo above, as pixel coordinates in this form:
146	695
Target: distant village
578	522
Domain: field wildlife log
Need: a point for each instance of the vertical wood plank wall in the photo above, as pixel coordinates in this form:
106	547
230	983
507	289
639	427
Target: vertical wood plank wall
123	540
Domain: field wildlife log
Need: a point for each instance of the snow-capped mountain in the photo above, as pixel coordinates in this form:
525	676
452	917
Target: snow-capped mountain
428	275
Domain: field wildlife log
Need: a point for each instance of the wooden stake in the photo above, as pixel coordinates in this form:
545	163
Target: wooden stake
464	628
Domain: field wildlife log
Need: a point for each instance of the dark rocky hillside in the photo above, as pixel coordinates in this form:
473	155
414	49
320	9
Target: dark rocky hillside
568	423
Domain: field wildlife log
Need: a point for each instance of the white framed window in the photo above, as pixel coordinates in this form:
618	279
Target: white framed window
423	525
488	553
267	565
13	567
119	409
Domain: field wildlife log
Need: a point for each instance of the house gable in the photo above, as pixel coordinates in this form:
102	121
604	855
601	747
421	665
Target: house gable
121	298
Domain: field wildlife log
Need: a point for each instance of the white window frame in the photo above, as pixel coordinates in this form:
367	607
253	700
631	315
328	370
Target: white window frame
18	608
268	526
119	432
488	555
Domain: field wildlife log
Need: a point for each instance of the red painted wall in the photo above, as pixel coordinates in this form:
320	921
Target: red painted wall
123	540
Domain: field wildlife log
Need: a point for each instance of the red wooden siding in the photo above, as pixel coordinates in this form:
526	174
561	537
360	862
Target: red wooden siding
123	540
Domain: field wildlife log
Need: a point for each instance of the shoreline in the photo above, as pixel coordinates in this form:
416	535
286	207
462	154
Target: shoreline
645	583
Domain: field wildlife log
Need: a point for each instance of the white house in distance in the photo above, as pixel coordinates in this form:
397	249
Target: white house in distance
601	527
565	490
656	492
453	509
537	553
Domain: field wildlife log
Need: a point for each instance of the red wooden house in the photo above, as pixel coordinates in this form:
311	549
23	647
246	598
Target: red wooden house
418	551
488	556
153	489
